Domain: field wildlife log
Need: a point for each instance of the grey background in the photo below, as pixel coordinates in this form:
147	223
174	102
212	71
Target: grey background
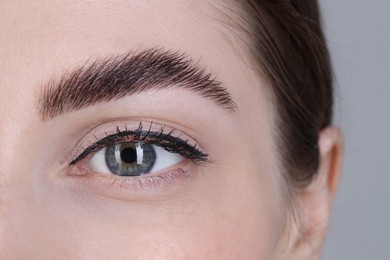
359	39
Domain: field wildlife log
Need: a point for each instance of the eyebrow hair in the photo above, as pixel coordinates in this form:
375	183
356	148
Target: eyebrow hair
115	77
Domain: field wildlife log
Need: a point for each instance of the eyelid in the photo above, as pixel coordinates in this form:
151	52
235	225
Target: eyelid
159	183
173	181
155	186
165	139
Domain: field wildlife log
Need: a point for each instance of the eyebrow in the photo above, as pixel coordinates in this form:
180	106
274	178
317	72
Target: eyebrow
113	78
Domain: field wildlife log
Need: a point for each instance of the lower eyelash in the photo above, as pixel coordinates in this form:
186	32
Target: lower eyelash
128	187
156	181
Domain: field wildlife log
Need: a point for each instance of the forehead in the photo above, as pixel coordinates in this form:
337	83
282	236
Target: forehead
81	29
44	38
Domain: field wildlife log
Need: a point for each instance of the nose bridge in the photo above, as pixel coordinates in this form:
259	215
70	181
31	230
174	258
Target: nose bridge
15	111
8	133
6	161
20	77
16	117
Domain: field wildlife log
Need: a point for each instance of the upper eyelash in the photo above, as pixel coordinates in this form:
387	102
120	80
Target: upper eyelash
166	141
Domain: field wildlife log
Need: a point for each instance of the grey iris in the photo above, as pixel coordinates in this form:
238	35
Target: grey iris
123	159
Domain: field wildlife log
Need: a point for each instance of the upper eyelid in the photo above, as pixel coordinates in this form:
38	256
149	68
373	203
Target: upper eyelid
121	135
144	136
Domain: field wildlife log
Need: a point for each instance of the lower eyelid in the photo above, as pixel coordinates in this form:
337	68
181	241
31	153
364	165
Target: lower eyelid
154	186
99	180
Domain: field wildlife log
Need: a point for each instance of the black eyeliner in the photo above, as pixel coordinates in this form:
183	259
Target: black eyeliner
166	141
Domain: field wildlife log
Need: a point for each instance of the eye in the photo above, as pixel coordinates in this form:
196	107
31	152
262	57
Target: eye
132	159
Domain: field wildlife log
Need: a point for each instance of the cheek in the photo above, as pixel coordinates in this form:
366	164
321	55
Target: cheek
251	219
232	215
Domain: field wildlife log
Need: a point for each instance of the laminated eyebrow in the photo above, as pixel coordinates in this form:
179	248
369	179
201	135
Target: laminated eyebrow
115	77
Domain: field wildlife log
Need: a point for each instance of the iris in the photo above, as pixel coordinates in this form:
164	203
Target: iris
130	159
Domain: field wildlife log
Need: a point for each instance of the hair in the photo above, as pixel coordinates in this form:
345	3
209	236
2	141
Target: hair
287	45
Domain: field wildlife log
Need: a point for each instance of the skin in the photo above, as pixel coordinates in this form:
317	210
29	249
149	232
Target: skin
232	208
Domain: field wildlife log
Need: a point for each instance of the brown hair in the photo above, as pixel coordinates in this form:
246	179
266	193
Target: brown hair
288	47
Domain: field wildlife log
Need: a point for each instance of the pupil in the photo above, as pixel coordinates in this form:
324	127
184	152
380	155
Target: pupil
129	155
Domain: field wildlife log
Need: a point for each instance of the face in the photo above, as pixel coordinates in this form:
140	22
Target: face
133	129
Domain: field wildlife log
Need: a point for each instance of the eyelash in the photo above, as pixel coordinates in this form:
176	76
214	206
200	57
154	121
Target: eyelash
160	138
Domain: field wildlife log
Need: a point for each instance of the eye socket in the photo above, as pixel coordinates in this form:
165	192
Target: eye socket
132	159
